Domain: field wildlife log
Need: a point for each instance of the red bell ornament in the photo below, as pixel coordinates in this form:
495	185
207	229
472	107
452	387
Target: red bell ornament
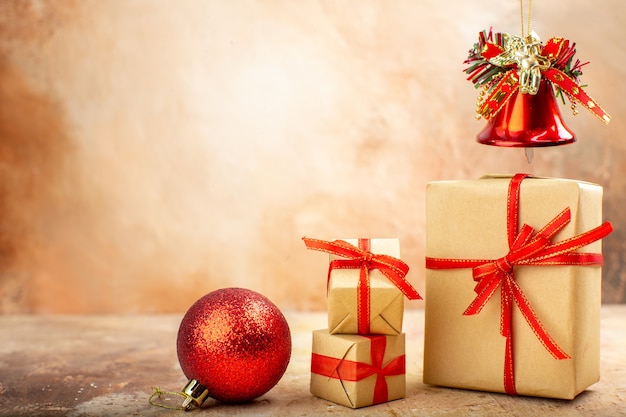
528	120
518	77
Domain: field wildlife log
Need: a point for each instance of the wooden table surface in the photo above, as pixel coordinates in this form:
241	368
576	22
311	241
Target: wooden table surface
107	365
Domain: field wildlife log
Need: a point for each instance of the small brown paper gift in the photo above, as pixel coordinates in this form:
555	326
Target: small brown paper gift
358	371
555	302
366	282
386	305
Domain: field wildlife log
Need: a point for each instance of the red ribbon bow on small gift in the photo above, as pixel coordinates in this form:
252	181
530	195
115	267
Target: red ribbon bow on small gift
525	248
345	370
361	258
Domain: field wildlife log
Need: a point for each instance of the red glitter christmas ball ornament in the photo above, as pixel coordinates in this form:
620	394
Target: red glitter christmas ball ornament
234	345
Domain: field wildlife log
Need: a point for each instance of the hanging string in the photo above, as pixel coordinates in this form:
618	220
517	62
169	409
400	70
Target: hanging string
521	12
528	152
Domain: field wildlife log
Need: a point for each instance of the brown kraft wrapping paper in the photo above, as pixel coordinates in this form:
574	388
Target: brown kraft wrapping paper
467	219
386	300
355	348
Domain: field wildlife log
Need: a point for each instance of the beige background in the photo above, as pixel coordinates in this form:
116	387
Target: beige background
152	151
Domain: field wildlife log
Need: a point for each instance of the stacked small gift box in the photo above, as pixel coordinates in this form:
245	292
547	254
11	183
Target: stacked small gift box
359	360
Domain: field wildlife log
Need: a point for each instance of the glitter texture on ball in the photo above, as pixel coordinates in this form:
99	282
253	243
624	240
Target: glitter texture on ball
236	343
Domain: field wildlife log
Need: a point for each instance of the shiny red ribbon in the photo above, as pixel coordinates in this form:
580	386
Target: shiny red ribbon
361	258
345	370
525	248
509	83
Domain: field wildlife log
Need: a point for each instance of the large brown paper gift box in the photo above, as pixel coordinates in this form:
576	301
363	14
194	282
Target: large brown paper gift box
386	300
358	371
467	219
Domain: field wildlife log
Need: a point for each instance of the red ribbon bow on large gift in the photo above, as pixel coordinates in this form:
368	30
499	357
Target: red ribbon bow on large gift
361	258
525	248
345	370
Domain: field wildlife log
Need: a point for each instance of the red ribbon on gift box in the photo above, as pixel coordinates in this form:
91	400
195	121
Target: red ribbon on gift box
346	370
361	258
525	248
